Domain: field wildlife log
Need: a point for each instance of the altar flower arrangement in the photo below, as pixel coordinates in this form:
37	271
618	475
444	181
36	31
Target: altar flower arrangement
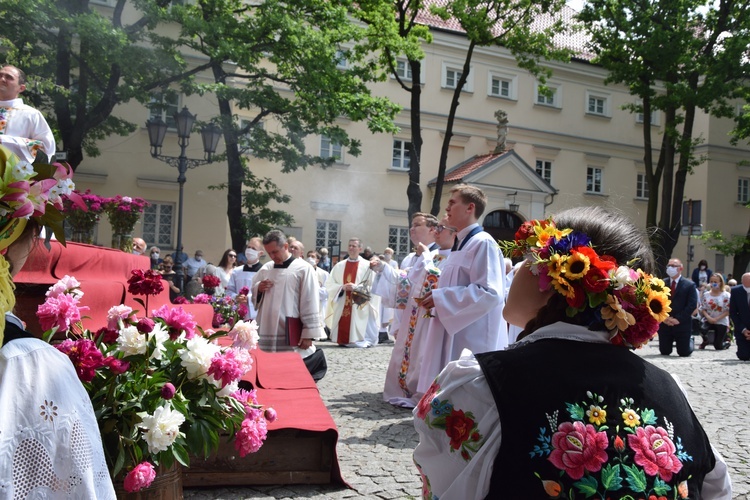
227	310
161	387
627	301
123	212
210	283
83	219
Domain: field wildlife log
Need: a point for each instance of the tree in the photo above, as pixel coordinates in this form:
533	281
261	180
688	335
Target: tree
677	56
737	246
393	31
84	63
296	63
508	23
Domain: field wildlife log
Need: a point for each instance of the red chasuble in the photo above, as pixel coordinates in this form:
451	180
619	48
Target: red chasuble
345	322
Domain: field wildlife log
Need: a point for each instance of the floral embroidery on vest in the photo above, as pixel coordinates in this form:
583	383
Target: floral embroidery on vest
461	427
633	452
4	112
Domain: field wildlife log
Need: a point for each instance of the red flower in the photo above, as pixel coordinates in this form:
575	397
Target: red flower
578	448
85	356
655	452
140	477
596	280
526	230
211	281
578	298
107	336
426	402
458	427
180	300
244	291
116	366
619	443
145	282
145	325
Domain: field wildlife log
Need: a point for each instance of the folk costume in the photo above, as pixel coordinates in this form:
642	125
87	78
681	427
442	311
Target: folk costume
402	377
351	324
24	130
469	302
294	295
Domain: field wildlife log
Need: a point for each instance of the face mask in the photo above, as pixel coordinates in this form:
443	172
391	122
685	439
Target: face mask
251	255
714	285
703	268
311	261
673	271
155	255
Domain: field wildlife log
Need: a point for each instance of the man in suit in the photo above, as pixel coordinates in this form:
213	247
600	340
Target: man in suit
677	327
739	311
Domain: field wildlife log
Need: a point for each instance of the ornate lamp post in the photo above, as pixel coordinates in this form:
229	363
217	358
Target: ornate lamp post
210	134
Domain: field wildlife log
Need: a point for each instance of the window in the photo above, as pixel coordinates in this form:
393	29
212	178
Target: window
544	169
641	186
451	76
341	61
501	86
743	190
401	154
158	220
398	239
593	180
654	117
164	106
330	148
597	104
551	98
245	140
403	69
327	234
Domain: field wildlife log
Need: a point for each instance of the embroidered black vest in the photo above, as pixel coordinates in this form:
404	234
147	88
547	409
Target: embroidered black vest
583	420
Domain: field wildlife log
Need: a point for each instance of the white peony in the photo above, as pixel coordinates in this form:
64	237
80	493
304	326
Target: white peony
162	428
228	389
161	334
197	356
131	342
245	334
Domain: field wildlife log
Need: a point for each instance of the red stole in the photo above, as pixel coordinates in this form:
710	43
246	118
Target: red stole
345	322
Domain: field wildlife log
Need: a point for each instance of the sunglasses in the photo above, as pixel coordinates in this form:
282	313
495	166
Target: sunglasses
440	228
233	255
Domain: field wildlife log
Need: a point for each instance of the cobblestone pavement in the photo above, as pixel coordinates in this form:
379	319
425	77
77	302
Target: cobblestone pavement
376	439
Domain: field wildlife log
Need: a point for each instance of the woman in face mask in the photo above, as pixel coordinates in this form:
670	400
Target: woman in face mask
154	254
702	275
714	311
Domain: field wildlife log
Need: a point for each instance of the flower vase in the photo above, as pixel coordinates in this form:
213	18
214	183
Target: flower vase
123	241
84	235
166	486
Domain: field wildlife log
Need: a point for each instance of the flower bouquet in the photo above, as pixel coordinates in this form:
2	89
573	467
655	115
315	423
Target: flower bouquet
80	220
227	310
123	212
210	283
161	388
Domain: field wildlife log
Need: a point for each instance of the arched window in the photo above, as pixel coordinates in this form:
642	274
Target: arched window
502	224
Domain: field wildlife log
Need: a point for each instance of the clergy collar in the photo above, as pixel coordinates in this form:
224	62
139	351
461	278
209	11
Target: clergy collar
433	246
353	260
462	233
13	102
285	264
12	318
252	268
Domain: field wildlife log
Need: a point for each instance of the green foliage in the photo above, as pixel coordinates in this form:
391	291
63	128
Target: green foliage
83	60
726	245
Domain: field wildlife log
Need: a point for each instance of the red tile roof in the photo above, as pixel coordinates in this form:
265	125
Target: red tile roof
460	171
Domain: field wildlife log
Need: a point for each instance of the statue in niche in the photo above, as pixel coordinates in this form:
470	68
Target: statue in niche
502	130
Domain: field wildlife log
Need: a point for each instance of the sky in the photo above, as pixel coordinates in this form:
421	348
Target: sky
576	4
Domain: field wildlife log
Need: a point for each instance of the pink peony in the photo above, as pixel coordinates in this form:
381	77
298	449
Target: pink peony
270	414
116	366
244	291
145	325
245	397
245	334
253	432
229	366
67	284
242	310
106	335
59	311
140	477
180	300
167	391
117	313
177	321
84	355
578	448
146	282
655	452
217	320
202	298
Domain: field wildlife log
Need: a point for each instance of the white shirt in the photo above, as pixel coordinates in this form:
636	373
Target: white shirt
24	130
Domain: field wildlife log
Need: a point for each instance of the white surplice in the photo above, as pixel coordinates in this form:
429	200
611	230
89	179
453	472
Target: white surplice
295	295
50	445
24	130
392	286
364	326
402	377
243	277
469	303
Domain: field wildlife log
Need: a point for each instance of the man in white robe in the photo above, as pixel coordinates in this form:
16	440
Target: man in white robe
242	277
468	301
285	288
23	129
392	285
351	324
313	258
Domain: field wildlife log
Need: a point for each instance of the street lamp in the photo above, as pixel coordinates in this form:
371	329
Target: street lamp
513	206
210	134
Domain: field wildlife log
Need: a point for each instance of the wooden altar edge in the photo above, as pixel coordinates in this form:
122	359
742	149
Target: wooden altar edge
300	447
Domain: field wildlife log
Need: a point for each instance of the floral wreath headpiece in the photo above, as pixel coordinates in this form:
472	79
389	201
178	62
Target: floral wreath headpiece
630	302
29	191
